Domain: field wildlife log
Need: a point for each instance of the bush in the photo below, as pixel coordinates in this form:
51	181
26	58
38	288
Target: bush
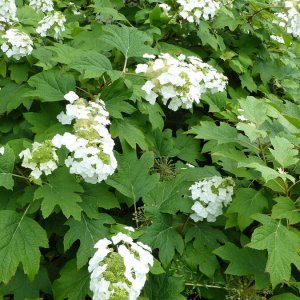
149	150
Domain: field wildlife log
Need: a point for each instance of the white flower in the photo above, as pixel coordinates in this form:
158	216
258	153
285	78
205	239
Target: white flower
210	196
290	20
41	159
195	10
41	5
180	80
90	146
141	68
119	268
17	44
53	23
165	7
71	96
8	12
2	149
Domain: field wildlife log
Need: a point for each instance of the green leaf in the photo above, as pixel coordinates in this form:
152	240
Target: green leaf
12	96
189	148
164	287
51	85
168	196
248	82
201	258
163	235
254	110
244	262
246	202
285	208
7	163
163	143
60	190
285	296
88	232
91	64
72	284
115	97
284	151
132	178
97	196
210	131
20	240
129	40
19	72
282	244
205	239
22	288
154	113
126	129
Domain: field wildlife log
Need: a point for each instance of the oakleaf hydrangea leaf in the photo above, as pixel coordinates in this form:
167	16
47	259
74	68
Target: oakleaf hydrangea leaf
72	284
20	240
284	152
162	234
282	244
88	232
60	190
7	162
247	202
132	178
129	40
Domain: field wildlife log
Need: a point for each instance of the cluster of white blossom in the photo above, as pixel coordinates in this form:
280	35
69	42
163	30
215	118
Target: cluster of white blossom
182	79
17	44
210	196
2	150
8	12
42	158
120	273
289	20
53	23
41	5
90	146
195	10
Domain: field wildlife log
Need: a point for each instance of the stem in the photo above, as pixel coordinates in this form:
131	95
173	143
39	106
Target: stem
206	285
262	153
184	224
125	65
135	214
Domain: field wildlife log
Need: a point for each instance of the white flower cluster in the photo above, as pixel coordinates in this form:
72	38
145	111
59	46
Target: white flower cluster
41	5
52	23
195	10
17	44
41	159
2	150
8	11
210	195
91	145
119	274
290	20
182	79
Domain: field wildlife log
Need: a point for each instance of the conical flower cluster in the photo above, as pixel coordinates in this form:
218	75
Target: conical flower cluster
90	145
210	196
119	268
179	80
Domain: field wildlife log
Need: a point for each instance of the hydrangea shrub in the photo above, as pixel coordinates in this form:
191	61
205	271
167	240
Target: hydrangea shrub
149	149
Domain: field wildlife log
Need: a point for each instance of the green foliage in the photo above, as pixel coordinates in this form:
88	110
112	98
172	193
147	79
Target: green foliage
61	190
21	238
250	132
282	245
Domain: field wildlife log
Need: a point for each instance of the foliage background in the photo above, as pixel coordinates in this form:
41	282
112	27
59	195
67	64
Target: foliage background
48	229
